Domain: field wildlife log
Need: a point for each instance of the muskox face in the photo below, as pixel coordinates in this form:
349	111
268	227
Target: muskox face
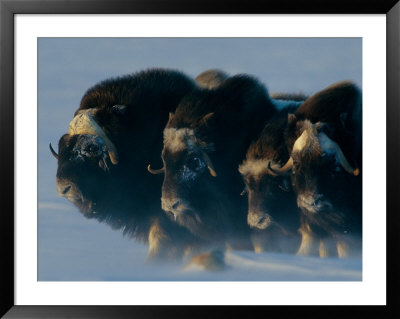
270	197
316	161
83	165
307	159
85	157
187	181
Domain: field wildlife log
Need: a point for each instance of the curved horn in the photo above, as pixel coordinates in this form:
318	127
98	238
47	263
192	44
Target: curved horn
330	144
155	171
209	164
53	151
285	168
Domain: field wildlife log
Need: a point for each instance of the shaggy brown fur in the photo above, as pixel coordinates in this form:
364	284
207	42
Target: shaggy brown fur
132	110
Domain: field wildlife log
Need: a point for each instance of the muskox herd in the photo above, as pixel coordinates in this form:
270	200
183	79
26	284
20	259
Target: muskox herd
235	167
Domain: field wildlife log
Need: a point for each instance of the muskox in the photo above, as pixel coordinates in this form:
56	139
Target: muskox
271	200
298	163
328	192
102	159
211	79
204	142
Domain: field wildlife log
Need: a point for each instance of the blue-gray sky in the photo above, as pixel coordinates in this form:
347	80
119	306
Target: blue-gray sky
73	248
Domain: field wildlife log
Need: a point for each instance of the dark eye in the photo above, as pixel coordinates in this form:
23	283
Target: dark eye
284	187
284	184
194	163
92	148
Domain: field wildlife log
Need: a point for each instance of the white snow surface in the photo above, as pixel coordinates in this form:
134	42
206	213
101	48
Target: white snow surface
250	266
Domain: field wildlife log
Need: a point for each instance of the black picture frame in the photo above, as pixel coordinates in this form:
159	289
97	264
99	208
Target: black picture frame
8	10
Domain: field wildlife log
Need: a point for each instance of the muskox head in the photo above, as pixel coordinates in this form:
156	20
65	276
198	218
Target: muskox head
188	172
315	161
85	156
270	197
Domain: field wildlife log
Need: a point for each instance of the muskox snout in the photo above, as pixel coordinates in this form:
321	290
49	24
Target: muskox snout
172	205
259	220
313	203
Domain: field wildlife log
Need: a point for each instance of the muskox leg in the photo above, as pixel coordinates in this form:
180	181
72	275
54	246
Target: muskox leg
349	246
322	246
327	248
163	247
261	242
342	249
274	241
168	241
309	243
158	242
